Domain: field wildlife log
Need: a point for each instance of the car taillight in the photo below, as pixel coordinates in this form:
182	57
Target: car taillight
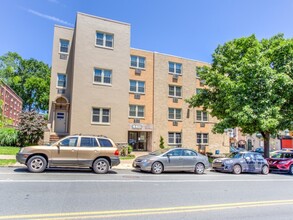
116	153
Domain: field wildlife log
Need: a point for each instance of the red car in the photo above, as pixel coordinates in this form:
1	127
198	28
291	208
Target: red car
281	161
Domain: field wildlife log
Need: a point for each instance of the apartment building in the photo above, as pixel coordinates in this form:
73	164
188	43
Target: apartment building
100	85
11	104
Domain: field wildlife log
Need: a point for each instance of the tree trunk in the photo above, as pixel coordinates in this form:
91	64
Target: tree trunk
266	137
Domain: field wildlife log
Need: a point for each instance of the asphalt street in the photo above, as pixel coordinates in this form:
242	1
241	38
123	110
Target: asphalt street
127	194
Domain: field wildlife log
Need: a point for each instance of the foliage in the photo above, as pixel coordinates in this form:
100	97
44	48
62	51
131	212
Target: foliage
129	149
123	151
7	162
8	150
31	128
30	79
249	85
8	137
162	144
128	157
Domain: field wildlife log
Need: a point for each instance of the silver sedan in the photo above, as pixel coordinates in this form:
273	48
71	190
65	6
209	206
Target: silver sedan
176	159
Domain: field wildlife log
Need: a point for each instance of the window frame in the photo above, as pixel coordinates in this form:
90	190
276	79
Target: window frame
201	138
202	116
105	34
137	62
61	39
102	76
175	139
175	91
175	68
60	87
175	114
100	115
80	144
136	111
136	86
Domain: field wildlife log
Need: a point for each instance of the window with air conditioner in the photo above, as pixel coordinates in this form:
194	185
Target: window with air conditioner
175	114
175	91
137	86
64	46
175	68
202	138
136	111
137	62
201	116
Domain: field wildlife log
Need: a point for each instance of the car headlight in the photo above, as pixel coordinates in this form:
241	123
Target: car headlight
284	162
217	161
228	161
144	161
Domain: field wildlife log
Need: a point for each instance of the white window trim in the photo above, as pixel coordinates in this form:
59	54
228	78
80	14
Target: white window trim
104	40
136	112
174	96
174	73
60	87
202	139
136	87
175	119
60	46
103	76
174	136
100	117
137	62
201	112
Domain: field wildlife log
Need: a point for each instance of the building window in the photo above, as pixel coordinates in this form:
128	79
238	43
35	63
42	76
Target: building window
175	91
61	81
137	62
175	68
201	116
136	111
101	115
202	138
174	138
104	40
174	114
102	76
64	46
137	86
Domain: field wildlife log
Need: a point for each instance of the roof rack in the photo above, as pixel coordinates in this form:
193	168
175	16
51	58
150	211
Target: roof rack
94	135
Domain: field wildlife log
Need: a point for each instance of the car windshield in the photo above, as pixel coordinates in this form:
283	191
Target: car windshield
277	155
158	152
236	155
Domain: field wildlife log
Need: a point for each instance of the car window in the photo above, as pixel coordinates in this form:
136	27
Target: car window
105	142
287	155
251	156
88	142
177	152
189	153
70	142
258	157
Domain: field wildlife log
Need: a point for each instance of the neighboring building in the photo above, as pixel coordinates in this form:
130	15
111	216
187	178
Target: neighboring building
12	103
99	85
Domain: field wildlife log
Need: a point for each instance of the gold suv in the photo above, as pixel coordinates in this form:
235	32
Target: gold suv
97	152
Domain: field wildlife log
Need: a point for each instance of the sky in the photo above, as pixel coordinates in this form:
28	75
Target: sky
187	28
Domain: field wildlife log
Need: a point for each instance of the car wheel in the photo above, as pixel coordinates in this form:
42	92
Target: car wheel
237	169
157	168
199	168
36	164
265	170
101	166
291	170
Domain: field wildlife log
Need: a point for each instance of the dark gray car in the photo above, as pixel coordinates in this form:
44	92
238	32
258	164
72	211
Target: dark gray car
242	162
176	159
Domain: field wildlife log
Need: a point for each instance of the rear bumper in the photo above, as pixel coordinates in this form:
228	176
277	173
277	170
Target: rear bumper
115	161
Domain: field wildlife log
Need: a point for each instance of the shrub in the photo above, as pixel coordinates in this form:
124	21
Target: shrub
123	152
8	137
129	149
162	142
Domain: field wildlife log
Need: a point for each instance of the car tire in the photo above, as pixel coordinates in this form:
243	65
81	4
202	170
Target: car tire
101	166
36	164
291	170
265	170
199	168
237	169
157	168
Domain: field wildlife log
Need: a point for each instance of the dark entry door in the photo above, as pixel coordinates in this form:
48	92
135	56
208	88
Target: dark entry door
138	140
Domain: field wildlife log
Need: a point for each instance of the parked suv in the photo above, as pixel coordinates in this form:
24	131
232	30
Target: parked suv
281	161
97	152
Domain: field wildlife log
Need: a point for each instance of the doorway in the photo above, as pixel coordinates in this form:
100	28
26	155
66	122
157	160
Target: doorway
138	140
60	122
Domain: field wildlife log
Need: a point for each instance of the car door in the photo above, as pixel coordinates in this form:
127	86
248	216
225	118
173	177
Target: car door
173	160
87	151
250	162
65	152
189	159
259	162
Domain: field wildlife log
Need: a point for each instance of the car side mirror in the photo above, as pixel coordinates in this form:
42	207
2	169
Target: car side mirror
247	158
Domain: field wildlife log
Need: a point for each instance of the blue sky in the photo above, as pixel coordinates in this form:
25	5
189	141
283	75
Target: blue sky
186	28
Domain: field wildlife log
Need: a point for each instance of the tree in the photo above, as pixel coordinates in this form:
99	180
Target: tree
249	85
31	128
30	79
162	142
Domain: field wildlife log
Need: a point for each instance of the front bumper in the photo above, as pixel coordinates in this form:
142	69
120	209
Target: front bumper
115	161
222	167
144	166
21	158
279	168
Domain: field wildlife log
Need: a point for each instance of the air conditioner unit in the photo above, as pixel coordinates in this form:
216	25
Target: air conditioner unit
175	76
175	100
63	56
137	71
137	96
136	120
175	123
202	124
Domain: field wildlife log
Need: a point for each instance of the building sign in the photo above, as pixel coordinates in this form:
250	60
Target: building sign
140	127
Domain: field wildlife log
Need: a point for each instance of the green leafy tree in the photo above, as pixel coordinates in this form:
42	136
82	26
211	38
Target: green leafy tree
30	79
162	144
31	128
249	85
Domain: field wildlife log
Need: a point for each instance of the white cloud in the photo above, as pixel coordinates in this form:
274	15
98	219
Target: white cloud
52	18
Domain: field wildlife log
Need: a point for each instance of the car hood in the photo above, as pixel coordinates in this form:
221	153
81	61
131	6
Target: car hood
145	157
221	160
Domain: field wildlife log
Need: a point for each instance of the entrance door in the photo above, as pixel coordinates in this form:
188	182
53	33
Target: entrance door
138	140
60	122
